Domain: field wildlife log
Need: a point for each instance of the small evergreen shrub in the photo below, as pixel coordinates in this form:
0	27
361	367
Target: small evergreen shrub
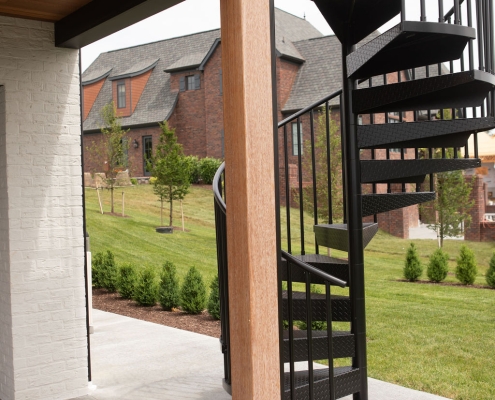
192	163
193	292
152	180
104	271
438	266
134	181
168	292
146	290
127	280
490	274
207	169
412	267
466	269
214	299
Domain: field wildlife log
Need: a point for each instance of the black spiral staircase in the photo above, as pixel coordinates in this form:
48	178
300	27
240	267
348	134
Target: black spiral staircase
418	50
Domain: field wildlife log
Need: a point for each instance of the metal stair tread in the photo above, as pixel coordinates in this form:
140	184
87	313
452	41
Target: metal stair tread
341	306
378	203
366	16
346	382
334	266
342	343
410	44
457	90
335	236
393	171
428	134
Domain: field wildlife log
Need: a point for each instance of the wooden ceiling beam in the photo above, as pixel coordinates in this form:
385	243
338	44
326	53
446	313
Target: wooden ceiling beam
101	18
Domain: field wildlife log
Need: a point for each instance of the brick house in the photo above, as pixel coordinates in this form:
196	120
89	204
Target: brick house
180	80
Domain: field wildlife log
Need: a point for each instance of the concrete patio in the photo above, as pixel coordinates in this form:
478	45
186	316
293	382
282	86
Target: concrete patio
134	360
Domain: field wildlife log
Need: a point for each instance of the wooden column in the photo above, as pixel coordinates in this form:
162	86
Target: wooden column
249	157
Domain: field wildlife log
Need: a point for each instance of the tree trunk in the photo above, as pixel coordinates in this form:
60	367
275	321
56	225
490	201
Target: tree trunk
161	211
111	198
171	200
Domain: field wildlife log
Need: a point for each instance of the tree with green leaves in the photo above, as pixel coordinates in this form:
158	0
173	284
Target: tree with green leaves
325	146
452	205
453	201
412	265
170	168
113	148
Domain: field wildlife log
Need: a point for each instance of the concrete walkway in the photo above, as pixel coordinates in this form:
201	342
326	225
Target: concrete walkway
422	232
139	360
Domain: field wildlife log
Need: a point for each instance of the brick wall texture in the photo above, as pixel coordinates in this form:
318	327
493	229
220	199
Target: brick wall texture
43	350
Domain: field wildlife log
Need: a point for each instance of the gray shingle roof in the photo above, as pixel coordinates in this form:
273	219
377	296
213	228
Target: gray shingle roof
95	75
137	69
186	52
157	101
187	62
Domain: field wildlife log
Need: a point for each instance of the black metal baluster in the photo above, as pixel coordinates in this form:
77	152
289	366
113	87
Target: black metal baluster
423	10
329	172
403	10
344	186
330	342
479	23
287	190
441	19
313	165
430	155
290	307
309	334
457	12
300	172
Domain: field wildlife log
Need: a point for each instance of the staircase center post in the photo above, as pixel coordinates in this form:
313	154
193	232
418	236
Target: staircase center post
355	223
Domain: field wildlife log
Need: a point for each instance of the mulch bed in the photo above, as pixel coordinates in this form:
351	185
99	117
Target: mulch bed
447	284
112	302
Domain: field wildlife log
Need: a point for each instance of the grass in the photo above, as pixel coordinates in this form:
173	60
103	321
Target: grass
439	339
133	239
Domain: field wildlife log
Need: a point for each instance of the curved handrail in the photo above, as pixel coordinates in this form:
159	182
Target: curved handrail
216	187
289	257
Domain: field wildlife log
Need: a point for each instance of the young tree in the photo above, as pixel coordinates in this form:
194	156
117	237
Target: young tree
171	169
113	148
321	164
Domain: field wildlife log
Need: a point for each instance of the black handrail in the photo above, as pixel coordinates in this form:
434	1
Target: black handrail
309	108
289	257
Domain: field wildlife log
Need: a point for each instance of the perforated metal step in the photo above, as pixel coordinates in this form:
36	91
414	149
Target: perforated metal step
365	16
342	343
341	307
333	266
336	236
409	44
378	203
346	381
462	89
406	171
427	134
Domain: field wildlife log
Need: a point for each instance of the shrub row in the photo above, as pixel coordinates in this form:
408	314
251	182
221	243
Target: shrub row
437	267
146	288
202	170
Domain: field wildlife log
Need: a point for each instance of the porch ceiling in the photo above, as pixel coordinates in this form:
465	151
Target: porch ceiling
47	10
81	22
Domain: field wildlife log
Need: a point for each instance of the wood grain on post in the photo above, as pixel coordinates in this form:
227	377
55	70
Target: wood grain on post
250	195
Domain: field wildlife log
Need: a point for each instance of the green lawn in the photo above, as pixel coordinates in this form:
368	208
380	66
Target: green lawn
440	339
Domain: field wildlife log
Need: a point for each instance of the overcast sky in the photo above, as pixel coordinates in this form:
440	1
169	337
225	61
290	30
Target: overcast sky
193	16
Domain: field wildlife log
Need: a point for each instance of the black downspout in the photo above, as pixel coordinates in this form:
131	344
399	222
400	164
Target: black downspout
355	224
85	233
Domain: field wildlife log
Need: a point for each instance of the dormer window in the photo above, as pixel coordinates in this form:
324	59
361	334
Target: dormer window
190	82
121	95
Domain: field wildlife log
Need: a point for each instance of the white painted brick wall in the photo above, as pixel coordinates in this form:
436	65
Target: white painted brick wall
43	352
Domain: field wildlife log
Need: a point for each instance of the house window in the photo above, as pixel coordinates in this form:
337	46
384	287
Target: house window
394	117
295	141
190	82
395	150
121	95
